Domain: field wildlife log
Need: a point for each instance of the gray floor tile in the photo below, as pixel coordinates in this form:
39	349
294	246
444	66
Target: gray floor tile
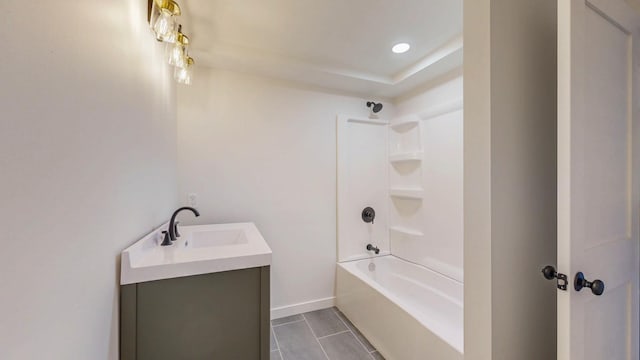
376	355
287	319
274	345
297	342
356	332
324	322
344	346
275	355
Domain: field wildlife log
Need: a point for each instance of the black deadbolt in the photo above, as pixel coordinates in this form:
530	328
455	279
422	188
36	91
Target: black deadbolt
368	214
550	273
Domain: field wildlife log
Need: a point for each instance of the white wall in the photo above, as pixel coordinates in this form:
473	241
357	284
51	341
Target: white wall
433	94
439	216
87	159
362	181
509	178
264	151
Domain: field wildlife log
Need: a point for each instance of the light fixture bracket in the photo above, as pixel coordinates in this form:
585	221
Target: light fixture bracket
170	5
182	39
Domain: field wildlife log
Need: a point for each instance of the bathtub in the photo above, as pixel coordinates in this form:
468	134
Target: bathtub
405	310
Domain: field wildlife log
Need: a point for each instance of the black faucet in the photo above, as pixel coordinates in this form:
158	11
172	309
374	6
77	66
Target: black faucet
172	224
373	248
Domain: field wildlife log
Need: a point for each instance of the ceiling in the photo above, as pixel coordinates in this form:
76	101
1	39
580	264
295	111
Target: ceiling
338	44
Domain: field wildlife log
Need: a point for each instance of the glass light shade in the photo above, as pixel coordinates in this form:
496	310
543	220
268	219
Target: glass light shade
171	38
154	14
177	54
165	26
178	50
183	74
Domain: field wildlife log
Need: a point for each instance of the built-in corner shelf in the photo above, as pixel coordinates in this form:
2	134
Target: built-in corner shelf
406	156
405	231
405	125
407	193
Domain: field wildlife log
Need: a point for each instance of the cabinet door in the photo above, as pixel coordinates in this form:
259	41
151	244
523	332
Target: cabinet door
212	316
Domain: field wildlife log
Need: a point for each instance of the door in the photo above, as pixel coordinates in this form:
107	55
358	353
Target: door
598	178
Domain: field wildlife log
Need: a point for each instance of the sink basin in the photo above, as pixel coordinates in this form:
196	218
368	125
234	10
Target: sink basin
207	238
201	249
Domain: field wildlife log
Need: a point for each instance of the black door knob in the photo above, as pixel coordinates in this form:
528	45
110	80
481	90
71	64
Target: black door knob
596	286
549	272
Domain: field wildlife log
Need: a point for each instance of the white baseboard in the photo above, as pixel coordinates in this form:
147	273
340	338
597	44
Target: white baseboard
302	307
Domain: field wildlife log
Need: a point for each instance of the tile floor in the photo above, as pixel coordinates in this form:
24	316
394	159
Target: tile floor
319	335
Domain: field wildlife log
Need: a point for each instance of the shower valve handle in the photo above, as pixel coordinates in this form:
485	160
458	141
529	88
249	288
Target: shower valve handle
368	215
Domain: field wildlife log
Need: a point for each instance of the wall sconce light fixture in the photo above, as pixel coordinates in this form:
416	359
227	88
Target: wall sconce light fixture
162	17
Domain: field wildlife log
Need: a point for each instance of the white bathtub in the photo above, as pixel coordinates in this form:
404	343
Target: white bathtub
407	311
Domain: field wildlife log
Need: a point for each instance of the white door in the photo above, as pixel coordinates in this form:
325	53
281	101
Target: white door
598	177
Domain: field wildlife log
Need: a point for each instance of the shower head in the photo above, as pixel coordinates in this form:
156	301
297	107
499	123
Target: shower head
375	107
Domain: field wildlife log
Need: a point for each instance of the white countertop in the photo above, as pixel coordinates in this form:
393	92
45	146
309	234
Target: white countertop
201	249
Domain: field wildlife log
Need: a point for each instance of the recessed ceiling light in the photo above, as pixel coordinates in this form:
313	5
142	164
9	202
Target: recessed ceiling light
401	48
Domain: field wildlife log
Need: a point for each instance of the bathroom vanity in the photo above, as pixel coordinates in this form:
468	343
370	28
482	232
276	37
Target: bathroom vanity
204	297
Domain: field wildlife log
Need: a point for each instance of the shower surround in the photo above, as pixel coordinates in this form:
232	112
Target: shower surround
408	298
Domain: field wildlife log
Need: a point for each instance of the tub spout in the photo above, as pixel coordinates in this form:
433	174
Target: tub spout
373	248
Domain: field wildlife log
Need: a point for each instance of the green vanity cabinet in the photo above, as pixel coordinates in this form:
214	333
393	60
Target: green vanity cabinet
222	315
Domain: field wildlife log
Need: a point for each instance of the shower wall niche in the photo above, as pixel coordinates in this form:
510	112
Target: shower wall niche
425	188
405	179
